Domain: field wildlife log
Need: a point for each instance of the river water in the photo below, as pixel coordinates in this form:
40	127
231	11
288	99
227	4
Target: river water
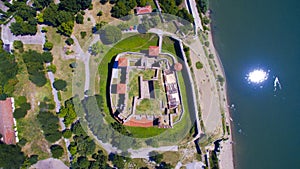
261	34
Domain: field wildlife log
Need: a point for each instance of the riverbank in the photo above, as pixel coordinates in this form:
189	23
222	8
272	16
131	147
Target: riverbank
226	160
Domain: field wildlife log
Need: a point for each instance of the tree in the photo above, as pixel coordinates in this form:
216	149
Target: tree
66	28
79	18
111	34
19	113
199	65
97	48
57	151
67	133
100	13
118	161
69	41
203	5
47	57
10	156
18	45
83	162
83	34
49	124
59	84
155	156
48	45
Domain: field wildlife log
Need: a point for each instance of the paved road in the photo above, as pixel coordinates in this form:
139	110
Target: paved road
195	13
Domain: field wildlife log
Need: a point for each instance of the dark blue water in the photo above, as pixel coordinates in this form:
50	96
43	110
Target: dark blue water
265	34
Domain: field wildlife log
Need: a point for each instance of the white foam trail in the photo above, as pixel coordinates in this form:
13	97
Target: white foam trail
276	82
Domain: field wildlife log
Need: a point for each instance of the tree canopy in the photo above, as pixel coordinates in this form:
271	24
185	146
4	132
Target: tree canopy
35	66
60	84
49	124
57	151
25	16
111	34
11	156
8	72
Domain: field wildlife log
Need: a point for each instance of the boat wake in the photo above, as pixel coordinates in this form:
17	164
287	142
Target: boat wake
276	83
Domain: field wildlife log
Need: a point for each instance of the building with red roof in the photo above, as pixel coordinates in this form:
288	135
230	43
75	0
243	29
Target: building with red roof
122	62
143	10
153	50
121	88
7	121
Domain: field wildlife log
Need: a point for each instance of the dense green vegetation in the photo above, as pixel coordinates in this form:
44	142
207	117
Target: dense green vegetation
11	156
49	124
57	151
35	66
202	5
123	8
18	45
22	107
25	16
68	112
8	72
171	7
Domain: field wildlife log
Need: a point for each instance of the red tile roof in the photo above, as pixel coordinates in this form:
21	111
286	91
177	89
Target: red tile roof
6	121
178	66
143	122
143	10
153	50
121	88
122	62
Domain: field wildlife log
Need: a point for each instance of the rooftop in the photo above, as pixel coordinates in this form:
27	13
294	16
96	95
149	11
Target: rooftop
6	121
153	50
123	62
143	10
121	88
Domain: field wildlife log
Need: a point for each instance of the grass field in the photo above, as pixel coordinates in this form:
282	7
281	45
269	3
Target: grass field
168	45
141	132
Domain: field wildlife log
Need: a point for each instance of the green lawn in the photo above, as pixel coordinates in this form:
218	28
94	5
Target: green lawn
141	132
148	106
168	45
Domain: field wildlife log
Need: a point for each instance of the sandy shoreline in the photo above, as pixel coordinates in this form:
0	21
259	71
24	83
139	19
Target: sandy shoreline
226	157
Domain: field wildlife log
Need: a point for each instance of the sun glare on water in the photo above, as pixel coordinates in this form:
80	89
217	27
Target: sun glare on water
257	76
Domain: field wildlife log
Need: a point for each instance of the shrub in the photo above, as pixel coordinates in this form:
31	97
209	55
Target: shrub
83	34
69	41
18	45
57	151
79	18
48	45
211	56
199	65
51	68
100	13
206	43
